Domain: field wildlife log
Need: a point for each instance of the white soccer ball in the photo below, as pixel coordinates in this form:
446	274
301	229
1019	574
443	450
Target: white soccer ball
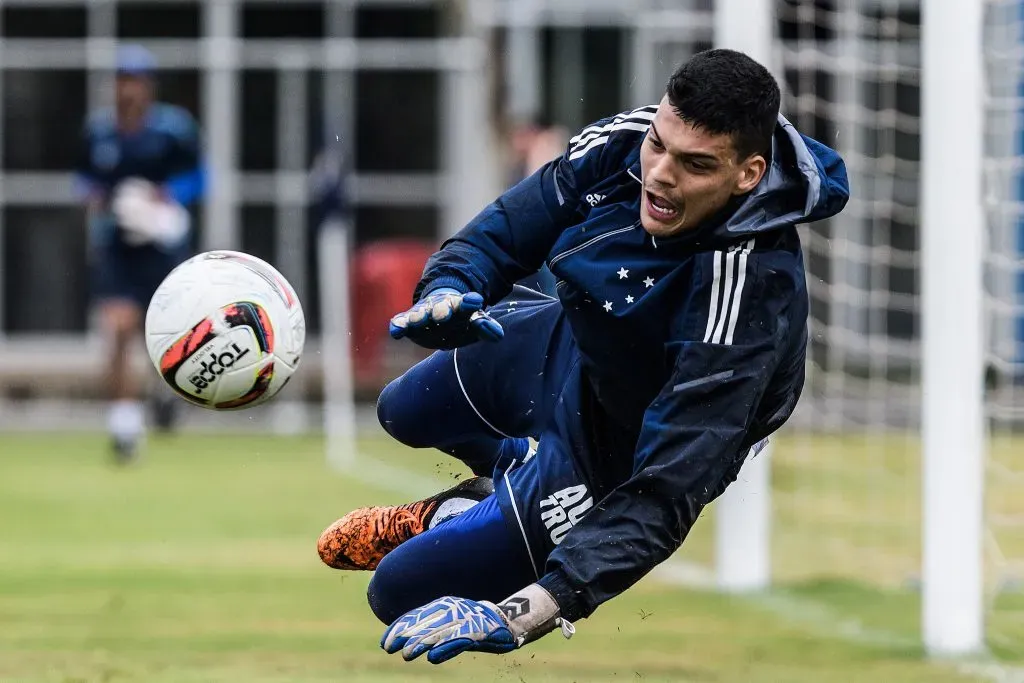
225	330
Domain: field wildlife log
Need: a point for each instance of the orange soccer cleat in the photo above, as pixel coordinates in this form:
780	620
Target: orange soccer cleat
362	538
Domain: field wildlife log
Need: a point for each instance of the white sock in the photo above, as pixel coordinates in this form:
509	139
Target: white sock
453	507
126	420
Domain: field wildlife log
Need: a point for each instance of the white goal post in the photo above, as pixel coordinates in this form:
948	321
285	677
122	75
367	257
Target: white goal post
743	512
951	307
952	316
339	418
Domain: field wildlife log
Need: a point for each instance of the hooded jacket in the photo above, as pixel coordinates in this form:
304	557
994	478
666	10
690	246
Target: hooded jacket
693	346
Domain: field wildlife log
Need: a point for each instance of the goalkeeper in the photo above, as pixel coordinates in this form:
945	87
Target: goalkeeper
676	346
138	170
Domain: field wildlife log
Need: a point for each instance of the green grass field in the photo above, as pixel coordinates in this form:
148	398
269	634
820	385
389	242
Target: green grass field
199	564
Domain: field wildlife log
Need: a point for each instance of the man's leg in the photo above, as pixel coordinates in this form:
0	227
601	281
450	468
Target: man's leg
425	408
121	320
125	279
540	499
496	547
155	264
470	402
363	537
119	316
479	403
473	555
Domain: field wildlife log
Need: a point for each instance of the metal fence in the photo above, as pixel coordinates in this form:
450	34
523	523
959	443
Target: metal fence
418	94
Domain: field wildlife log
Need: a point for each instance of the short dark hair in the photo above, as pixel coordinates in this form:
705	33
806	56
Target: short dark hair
724	91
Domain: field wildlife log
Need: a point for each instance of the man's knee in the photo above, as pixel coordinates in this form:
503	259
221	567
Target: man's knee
397	414
385	406
474	555
388	592
121	320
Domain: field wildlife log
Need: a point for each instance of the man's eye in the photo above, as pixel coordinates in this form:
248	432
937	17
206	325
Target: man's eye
656	143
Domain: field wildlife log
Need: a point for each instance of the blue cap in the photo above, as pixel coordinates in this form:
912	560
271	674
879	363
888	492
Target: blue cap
135	60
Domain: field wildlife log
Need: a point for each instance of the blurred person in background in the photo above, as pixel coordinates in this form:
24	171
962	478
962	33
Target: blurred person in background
139	169
534	144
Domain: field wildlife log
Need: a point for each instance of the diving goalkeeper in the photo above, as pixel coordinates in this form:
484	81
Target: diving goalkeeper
675	347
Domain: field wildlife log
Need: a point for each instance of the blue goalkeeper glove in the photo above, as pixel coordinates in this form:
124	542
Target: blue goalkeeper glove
450	626
446	319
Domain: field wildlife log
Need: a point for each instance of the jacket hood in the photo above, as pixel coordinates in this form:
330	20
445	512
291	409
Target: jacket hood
806	182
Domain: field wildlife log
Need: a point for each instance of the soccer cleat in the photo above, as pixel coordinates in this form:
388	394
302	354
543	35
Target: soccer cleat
124	450
164	410
362	538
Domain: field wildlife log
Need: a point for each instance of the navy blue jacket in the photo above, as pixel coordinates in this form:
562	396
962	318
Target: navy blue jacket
694	346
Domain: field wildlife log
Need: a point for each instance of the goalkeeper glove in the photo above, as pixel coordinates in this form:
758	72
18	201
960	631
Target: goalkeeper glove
450	626
145	217
446	319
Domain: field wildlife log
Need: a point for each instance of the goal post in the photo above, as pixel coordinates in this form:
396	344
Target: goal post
952	326
908	253
743	512
334	236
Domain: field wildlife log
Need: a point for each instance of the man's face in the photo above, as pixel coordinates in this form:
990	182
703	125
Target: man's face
689	174
134	93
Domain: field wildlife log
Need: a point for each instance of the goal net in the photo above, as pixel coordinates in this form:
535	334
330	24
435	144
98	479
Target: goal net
1004	269
847	471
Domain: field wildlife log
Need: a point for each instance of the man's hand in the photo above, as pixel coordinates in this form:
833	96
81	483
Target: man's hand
450	626
145	216
446	319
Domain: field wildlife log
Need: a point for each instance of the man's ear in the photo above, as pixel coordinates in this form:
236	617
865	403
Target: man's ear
750	173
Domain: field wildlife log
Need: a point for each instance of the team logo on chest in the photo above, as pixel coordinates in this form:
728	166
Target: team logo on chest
625	289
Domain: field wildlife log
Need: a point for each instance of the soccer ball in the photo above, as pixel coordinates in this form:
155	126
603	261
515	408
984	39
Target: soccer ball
225	330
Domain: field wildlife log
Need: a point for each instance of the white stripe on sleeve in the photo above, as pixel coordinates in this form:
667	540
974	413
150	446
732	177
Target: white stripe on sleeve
727	290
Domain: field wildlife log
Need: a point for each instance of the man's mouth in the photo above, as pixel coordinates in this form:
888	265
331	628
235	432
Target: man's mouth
660	208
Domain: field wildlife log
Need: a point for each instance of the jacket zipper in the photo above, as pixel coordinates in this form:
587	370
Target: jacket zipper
591	241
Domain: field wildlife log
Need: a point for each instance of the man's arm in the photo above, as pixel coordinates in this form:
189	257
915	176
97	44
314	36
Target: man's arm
513	235
187	182
87	185
507	241
693	439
